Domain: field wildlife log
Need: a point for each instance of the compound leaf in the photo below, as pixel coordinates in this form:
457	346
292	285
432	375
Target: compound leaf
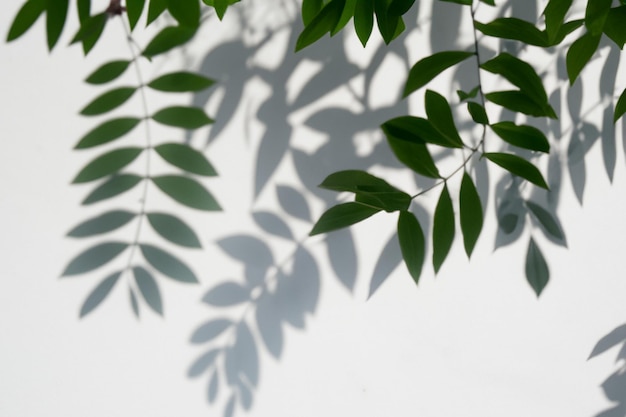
134	8
579	54
324	22
186	12
620	107
440	115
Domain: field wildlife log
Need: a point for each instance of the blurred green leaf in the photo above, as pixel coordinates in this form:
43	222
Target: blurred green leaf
186	158
554	13
174	229
90	31
84	10
324	22
519	101
187	191
596	14
107	164
537	272
355	181
342	215
546	219
25	18
94	257
579	54
620	107
99	293
440	115
116	185
108	101
167	264
514	28
428	68
181	116
517	166
155	9
364	20
168	38
471	213
56	14
412	245
108	72
522	136
149	289
417	130
186	12
478	113
443	228
463	2
400	7
210	330
103	223
310	9
107	132
181	81
134	8
414	155
346	15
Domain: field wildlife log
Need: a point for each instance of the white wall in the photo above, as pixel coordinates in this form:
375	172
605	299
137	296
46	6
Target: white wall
473	341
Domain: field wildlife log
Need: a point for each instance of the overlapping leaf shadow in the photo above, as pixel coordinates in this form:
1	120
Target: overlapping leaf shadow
614	387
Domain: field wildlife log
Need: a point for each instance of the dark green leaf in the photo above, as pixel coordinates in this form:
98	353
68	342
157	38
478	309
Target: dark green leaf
400	7
554	13
181	82
537	272
134	8
94	257
186	12
108	101
168	38
414	155
149	289
25	18
514	28
390	25
108	72
324	22
90	31
99	293
56	15
518	101
440	115
356	181
385	200
412	246
346	15
181	116
417	130
107	132
112	187
517	166
220	7
522	136
84	10
489	2
167	264
443	229
186	158
174	229
364	20
463	2
155	9
428	68
596	14
471	213
107	164
465	96
566	29
187	191
546	219
478	113
310	9
342	215
579	54
620	107
614	25
103	223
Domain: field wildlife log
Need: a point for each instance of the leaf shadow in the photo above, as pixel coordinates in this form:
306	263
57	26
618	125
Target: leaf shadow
614	387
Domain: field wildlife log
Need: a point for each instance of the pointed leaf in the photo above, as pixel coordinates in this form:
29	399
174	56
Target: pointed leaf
182	116
440	115
324	22
554	13
25	18
614	25
167	264
108	101
467	95
174	229
596	14
134	8
342	215
471	213
90	31
520	74
620	107
293	202
56	15
186	12
181	81
443	228
108	131
94	257
167	39
478	113
519	101
149	289
518	166
155	9
522	136
364	20
411	238
579	54
210	330
310	9
227	294
414	155
84	10
107	164
428	68
99	294
185	157
114	186
108	72
514	28
537	272
546	219
187	191
418	130
103	223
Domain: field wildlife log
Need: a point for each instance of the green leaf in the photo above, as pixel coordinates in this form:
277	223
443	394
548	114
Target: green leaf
546	219
519	101
596	14
56	14
107	132
471	94
471	213
478	113
220	7
186	158
25	18
182	116
522	136
614	25
463	2
514	28
324	22
400	7
414	155
310	9
155	9
620	107
385	200
346	15
579	54
94	257
134	8
428	68
389	25
554	13
489	2
187	191
108	101
149	289
116	185
186	12
174	229
537	272
167	39
443	228
180	82
84	10
440	115
167	264
108	72
103	223
412	246
90	31
364	20
107	164
342	215
517	166
99	293
417	130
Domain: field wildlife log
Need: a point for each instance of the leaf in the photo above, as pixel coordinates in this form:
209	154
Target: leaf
167	264
478	113
414	156
537	272
400	7
596	14
99	294
94	257
108	101
187	191
620	107
155	9
411	238
471	94
428	68
133	302
186	12
181	81
173	229
116	185
56	15
149	289
293	202
440	115
389	24
614	25
227	294
273	224
210	330
554	13
182	116
579	54
471	214
187	158
213	388
364	20
107	164
443	228
342	215
310	9
514	28
84	10
417	130
517	166
354	181
167	39
103	223
522	136
203	363
108	72
25	18
546	219
90	31
324	22
463	2
134	8
107	132
518	101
